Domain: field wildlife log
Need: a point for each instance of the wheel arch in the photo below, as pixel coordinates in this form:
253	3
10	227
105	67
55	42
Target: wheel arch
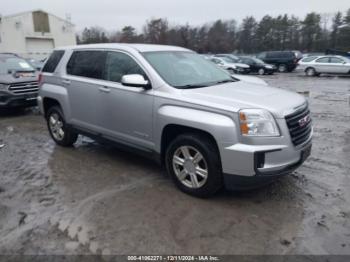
171	131
173	120
49	102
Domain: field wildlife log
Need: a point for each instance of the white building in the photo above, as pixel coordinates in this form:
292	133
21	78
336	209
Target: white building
35	33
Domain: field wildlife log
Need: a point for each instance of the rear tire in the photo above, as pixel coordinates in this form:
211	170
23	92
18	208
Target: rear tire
193	162
59	131
282	68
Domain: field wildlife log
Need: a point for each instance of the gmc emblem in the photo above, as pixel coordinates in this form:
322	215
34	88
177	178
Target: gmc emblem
304	121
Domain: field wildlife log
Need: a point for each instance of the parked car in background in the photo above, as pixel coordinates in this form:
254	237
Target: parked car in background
231	67
325	65
285	61
298	54
308	59
37	64
208	129
257	65
18	82
231	57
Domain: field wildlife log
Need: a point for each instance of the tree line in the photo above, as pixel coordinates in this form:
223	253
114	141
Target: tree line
315	33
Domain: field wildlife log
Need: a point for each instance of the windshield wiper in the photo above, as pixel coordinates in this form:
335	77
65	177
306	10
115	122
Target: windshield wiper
224	81
191	86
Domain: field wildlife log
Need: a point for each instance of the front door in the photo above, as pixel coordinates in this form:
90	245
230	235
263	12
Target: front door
125	113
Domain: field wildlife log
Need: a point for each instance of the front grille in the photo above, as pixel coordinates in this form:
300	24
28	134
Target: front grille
300	126
24	87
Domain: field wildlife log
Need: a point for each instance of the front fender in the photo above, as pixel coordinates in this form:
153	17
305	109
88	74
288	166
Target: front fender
222	127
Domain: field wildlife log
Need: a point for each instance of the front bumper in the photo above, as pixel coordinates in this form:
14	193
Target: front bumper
248	166
8	100
242	70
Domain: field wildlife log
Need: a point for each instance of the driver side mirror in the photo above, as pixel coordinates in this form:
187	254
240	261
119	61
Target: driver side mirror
136	81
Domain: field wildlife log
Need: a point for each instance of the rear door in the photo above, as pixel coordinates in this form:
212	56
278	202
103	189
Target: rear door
85	71
125	113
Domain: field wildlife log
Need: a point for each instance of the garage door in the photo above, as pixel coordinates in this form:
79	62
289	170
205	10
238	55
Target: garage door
37	47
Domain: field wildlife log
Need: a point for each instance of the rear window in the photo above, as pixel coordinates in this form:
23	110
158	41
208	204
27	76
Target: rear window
53	61
87	64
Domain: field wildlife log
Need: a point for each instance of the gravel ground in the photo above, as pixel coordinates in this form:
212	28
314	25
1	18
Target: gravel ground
94	199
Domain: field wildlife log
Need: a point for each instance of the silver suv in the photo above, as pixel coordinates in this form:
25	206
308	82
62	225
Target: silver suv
207	128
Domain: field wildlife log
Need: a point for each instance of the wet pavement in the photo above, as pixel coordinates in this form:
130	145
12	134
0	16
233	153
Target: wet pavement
95	199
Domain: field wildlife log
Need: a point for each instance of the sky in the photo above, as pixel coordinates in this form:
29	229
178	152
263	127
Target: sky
115	14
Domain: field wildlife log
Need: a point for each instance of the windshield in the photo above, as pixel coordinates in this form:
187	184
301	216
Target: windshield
182	69
257	60
228	59
10	64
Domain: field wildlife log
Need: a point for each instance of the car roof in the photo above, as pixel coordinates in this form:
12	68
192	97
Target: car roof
138	47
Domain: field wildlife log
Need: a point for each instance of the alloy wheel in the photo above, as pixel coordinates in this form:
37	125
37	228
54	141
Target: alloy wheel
56	126
190	167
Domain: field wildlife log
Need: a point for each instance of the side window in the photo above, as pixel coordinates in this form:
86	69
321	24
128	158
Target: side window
271	55
336	60
308	59
52	62
87	63
262	55
119	64
323	60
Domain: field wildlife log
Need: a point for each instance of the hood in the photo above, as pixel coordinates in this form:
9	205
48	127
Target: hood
239	95
10	79
250	79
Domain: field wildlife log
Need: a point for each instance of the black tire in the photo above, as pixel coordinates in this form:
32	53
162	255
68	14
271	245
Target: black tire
211	156
261	71
231	71
282	68
69	137
310	71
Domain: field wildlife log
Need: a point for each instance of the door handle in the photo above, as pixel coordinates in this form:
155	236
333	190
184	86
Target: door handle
66	81
104	89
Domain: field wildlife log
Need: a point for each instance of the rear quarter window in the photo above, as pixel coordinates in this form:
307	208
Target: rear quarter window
89	64
53	61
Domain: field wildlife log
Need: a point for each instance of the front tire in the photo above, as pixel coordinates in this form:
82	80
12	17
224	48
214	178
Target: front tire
58	128
231	71
310	71
261	71
193	162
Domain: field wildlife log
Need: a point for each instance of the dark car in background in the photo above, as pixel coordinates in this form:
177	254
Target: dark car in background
18	82
37	64
285	61
257	65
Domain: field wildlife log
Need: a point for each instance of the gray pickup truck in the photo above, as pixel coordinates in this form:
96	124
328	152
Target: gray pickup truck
206	127
18	82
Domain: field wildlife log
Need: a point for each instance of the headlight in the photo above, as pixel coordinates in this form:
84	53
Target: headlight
3	87
257	122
